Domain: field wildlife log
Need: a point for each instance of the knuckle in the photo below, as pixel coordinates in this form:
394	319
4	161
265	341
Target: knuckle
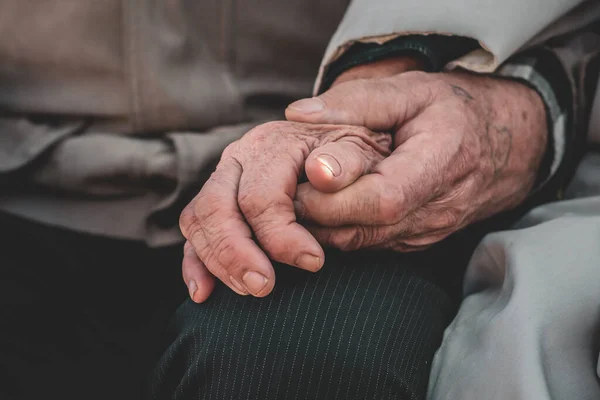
410	246
361	237
267	218
187	219
349	242
269	234
196	213
253	203
427	240
221	254
196	235
256	138
400	246
446	219
424	241
261	208
417	76
451	217
197	242
355	241
275	125
231	149
206	207
264	131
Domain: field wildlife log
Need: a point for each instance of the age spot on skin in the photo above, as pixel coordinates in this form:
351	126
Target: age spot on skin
503	148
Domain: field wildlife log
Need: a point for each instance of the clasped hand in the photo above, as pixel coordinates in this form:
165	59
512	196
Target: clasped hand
398	162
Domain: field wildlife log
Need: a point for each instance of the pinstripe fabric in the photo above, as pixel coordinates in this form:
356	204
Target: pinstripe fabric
365	327
81	317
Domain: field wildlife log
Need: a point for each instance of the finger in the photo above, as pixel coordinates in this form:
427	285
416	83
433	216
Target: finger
400	183
336	165
350	238
355	237
413	243
405	248
265	197
215	227
377	104
197	277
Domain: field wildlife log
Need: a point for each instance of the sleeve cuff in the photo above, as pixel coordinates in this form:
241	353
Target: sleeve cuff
434	50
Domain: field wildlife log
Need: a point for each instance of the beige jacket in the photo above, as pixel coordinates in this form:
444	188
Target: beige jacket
112	112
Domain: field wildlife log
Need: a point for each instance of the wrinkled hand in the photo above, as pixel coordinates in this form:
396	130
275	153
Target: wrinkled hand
465	147
244	215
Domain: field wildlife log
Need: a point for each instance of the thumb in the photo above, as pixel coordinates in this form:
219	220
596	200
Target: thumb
399	184
377	104
336	165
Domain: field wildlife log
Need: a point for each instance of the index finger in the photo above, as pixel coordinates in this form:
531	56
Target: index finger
215	227
266	192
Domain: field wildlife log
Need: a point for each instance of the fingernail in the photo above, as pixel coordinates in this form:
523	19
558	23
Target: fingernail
255	282
237	286
192	287
309	262
330	164
308	106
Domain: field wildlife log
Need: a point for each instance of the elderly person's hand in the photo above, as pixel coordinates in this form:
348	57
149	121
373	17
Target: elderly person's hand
246	208
465	147
244	215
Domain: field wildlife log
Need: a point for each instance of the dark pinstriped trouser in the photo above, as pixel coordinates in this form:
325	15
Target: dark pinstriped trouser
81	317
365	327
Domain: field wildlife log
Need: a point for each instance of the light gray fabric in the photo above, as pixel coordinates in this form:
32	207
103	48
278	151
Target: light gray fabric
529	327
586	181
484	20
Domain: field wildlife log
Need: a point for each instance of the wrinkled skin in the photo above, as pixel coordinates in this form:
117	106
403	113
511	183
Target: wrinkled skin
464	148
244	215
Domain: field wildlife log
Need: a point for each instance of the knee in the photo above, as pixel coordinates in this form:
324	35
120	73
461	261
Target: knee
313	341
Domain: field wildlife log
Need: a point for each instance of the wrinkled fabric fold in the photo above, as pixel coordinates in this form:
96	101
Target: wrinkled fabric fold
529	327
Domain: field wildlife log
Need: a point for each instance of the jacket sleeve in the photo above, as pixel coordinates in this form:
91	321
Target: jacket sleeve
435	51
500	27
